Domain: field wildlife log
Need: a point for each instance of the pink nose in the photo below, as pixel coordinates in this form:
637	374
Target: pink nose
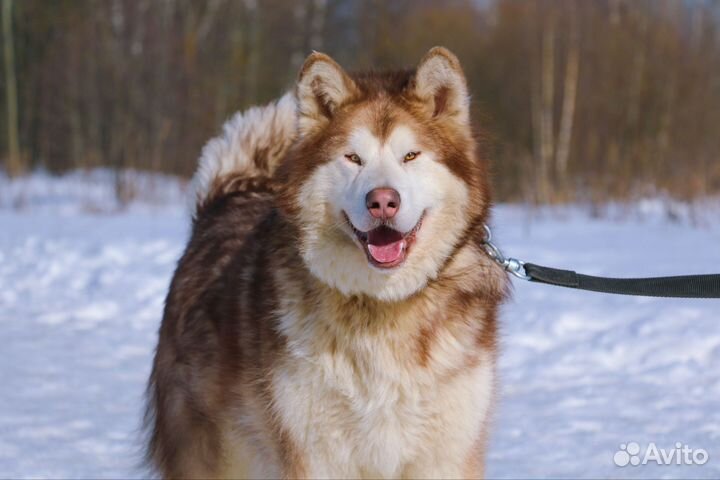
383	202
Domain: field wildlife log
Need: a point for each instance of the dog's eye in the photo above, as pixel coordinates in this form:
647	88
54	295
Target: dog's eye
354	158
410	156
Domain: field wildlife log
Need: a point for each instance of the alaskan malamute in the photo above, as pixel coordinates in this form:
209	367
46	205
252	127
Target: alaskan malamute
334	314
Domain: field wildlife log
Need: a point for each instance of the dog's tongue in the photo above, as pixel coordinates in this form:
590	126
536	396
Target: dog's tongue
385	244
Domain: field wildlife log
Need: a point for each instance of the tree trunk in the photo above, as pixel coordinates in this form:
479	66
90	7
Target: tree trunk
568	108
547	72
317	24
638	76
300	13
14	162
253	64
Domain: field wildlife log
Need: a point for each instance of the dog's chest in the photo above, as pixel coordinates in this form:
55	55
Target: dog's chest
367	406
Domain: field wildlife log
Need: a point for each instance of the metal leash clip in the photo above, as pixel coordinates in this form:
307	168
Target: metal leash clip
509	264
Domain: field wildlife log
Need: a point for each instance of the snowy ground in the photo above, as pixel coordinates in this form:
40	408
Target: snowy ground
81	296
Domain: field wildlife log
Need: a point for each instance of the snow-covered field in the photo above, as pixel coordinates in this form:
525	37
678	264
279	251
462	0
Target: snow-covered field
82	284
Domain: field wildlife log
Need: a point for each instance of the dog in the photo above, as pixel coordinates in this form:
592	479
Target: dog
334	314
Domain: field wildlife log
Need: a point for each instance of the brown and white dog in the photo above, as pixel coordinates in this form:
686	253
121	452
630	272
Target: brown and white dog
334	314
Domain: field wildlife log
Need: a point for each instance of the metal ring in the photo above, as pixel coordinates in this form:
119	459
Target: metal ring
494	253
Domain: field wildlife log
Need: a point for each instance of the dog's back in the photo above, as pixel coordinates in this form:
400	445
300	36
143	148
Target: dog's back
215	326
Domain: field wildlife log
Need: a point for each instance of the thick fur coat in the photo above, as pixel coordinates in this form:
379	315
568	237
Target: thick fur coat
311	331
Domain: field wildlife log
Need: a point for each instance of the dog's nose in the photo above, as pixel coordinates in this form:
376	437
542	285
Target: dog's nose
383	202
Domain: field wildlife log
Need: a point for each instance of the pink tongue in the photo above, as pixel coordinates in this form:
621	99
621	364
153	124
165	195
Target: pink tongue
385	244
387	253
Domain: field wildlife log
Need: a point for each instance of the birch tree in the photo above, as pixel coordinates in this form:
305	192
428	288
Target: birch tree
570	83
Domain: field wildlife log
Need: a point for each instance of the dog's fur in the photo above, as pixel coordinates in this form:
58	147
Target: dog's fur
284	351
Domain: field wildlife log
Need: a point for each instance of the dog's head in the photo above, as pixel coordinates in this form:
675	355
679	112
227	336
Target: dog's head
384	183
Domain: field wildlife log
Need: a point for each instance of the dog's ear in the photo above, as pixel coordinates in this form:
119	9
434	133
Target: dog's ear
440	83
322	88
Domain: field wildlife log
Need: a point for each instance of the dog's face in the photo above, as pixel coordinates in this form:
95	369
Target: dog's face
384	183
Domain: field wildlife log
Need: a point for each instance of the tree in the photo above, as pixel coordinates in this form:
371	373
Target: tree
14	161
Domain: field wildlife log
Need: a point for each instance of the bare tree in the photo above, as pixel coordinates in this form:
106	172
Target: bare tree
253	66
317	24
572	66
545	103
14	162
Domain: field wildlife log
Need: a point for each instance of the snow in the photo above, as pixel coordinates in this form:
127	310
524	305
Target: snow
83	279
91	191
583	373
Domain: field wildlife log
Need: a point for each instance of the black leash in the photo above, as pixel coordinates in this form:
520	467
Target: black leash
685	286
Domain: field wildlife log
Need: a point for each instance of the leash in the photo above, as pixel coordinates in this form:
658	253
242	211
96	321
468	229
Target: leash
685	286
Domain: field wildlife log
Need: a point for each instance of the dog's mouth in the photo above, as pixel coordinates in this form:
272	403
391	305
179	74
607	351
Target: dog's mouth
384	246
